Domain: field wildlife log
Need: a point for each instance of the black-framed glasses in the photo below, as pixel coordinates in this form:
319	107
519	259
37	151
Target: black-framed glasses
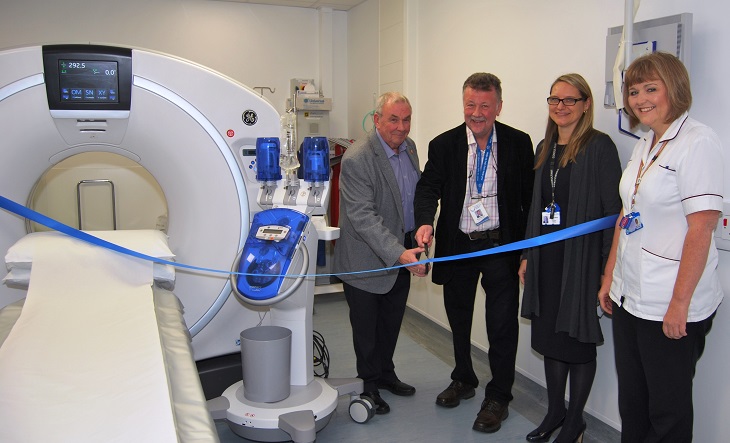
567	101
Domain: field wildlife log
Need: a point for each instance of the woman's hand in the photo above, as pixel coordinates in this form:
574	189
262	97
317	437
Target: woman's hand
675	321
604	297
700	227
607	278
522	271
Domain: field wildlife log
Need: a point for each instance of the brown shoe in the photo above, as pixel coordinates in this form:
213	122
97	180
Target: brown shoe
451	396
491	416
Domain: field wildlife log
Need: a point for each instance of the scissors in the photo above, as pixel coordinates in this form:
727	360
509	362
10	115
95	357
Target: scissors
428	265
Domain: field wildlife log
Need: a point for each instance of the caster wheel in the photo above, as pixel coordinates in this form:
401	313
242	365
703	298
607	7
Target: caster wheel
362	410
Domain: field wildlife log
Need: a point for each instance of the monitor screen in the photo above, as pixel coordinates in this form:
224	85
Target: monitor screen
88	77
86	81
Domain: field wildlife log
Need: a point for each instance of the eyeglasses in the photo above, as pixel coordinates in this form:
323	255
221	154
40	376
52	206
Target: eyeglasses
567	101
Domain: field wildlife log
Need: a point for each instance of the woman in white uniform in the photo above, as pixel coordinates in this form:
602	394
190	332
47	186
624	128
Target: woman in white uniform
664	289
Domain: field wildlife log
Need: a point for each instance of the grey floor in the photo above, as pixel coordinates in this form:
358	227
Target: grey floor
424	359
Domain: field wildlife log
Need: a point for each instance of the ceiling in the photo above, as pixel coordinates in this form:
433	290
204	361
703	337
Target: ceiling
338	5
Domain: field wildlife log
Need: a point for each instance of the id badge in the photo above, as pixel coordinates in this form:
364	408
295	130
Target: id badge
478	213
551	215
631	223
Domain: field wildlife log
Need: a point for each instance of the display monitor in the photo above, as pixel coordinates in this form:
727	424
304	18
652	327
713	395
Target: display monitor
88	77
88	81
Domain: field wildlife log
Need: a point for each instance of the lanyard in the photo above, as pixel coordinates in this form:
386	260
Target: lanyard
482	163
553	176
640	173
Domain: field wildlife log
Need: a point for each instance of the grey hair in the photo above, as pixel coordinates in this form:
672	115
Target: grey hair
483	81
390	97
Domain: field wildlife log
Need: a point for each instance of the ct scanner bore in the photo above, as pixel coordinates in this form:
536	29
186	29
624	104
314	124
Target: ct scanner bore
112	192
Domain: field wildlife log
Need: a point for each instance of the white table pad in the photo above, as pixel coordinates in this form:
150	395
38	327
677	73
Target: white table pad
84	362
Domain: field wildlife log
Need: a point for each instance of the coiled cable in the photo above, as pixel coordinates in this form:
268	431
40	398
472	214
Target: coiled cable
321	356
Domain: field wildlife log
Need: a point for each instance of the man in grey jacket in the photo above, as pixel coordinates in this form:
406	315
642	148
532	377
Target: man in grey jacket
377	183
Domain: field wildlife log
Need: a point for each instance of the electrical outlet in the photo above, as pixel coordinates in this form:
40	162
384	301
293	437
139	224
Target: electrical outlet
723	227
722	232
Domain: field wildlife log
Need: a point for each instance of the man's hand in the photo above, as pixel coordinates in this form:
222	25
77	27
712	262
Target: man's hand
424	235
411	256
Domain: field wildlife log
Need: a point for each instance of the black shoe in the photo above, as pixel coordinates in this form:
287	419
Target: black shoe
451	396
381	407
577	439
539	436
491	416
397	387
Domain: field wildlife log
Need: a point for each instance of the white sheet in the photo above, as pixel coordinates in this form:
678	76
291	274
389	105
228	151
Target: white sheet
84	361
19	258
163	274
146	241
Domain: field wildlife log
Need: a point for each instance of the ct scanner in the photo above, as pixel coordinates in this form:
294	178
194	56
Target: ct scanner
193	129
196	132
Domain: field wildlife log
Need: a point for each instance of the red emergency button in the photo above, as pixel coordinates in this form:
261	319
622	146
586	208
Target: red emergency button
230	133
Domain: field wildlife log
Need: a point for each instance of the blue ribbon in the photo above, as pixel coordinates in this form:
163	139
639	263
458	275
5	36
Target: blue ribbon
564	234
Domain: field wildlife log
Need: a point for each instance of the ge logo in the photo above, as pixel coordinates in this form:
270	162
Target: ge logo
249	117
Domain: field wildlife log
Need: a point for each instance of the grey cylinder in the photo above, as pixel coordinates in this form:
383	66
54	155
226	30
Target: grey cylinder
266	357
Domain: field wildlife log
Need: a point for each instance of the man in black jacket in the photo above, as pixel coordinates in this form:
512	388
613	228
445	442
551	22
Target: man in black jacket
482	173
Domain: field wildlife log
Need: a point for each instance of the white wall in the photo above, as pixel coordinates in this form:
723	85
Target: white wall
528	43
392	47
363	65
257	45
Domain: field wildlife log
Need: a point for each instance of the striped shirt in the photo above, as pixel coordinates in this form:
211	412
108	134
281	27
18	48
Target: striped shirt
488	196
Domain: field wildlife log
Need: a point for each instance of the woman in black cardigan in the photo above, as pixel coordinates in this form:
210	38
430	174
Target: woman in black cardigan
577	174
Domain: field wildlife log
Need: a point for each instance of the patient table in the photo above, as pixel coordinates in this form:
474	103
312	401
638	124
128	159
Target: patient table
82	362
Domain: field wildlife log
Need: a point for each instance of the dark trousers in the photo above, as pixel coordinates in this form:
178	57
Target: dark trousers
655	378
376	321
501	285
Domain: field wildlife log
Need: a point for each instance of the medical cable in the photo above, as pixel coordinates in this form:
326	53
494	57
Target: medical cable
262	318
321	356
369	114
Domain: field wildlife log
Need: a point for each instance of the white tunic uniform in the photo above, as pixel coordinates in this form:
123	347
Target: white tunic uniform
687	177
